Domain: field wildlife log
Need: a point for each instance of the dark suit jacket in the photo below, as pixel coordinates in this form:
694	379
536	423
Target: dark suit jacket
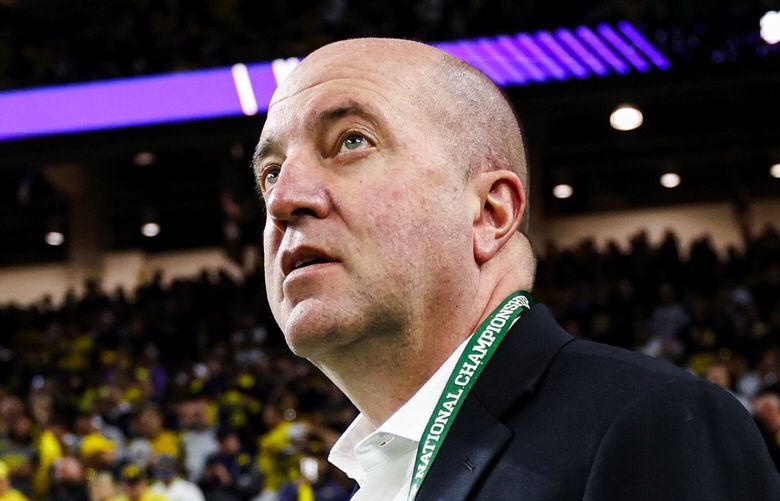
556	419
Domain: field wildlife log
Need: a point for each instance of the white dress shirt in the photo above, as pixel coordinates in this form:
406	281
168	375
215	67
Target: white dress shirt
381	459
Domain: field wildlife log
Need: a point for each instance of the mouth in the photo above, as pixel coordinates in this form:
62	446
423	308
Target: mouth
304	257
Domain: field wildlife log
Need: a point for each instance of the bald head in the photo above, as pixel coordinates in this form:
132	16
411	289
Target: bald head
470	115
477	118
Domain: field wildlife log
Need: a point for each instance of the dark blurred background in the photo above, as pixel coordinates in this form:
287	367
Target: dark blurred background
135	340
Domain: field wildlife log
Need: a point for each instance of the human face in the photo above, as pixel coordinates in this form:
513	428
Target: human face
366	227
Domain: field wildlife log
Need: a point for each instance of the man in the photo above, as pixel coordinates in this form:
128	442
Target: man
199	438
230	474
68	481
135	485
395	179
169	482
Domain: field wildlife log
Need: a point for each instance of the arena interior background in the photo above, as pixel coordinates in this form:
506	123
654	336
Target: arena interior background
133	321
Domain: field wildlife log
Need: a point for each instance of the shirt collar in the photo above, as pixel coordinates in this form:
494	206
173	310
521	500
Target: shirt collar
407	422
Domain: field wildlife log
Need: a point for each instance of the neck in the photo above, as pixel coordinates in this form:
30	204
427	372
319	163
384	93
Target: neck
379	380
381	373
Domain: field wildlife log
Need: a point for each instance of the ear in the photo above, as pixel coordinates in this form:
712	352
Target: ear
501	205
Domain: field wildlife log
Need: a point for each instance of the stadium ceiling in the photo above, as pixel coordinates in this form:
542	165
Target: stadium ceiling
519	59
712	122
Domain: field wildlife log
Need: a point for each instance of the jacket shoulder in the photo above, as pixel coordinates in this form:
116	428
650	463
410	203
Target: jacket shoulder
617	368
682	439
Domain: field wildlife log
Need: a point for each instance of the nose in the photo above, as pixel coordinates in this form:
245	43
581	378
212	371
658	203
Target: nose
299	191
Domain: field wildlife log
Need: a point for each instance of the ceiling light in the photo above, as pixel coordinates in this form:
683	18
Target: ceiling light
55	238
144	158
563	191
670	180
626	117
770	27
150	229
774	171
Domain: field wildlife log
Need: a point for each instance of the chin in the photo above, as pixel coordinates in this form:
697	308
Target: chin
315	328
312	328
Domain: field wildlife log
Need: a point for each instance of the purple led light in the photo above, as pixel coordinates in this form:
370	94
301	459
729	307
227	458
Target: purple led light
511	75
540	57
567	61
454	49
602	50
521	76
494	70
523	60
508	60
587	57
642	44
119	103
442	46
463	52
263	84
623	47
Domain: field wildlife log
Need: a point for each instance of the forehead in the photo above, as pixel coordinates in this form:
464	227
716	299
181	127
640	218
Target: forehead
305	109
388	86
378	60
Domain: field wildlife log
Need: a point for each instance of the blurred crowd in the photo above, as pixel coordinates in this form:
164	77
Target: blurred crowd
717	316
186	391
45	42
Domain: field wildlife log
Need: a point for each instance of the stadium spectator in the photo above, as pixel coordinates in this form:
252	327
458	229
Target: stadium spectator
153	439
666	322
95	449
102	487
18	454
198	439
718	374
231	473
48	447
169	482
68	481
276	404
278	455
316	482
767	408
762	375
135	485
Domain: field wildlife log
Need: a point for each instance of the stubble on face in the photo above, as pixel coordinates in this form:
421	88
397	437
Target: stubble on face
398	241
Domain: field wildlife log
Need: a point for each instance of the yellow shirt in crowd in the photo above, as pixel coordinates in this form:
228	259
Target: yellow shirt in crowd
146	496
168	443
13	495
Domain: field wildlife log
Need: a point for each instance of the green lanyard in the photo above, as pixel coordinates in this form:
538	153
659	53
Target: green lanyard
475	356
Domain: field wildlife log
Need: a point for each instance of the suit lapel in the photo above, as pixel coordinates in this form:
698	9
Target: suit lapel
477	435
470	447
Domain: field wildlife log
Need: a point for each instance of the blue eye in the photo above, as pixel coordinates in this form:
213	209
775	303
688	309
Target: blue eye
269	177
353	142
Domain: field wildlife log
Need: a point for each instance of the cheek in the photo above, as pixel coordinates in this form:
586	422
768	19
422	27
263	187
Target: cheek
271	242
418	218
272	238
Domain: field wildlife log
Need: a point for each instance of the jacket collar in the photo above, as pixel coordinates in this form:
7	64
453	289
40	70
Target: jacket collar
477	434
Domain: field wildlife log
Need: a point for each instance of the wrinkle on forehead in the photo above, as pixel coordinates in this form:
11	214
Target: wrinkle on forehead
356	79
423	89
298	109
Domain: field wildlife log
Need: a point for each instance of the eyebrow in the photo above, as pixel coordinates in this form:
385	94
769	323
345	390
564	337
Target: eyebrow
264	148
350	108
